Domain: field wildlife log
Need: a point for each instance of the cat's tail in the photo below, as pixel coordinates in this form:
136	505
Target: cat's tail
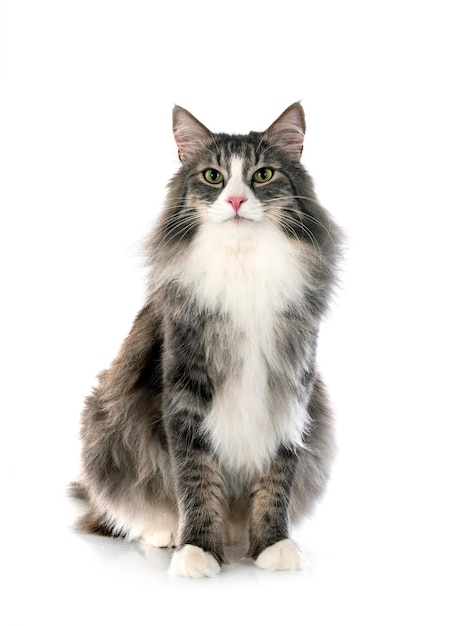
91	522
78	491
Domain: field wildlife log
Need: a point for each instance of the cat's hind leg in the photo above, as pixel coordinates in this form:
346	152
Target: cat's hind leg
161	529
130	518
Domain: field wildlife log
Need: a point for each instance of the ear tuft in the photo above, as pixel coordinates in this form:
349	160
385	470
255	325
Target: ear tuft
190	135
287	132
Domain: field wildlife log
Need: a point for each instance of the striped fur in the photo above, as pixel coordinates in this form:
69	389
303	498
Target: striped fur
212	425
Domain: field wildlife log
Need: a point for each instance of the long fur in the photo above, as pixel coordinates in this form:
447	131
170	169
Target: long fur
212	425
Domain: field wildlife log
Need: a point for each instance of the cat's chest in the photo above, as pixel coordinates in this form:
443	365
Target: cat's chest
250	417
249	281
249	273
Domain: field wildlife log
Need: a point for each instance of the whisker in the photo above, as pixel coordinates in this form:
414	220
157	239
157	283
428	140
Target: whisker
274	222
290	230
311	218
181	234
184	234
183	221
172	223
180	229
288	222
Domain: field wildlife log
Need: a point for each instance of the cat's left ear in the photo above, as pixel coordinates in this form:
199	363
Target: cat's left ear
190	135
287	132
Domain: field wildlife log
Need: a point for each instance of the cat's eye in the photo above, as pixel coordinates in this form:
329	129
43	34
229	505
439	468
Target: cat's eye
263	175
214	177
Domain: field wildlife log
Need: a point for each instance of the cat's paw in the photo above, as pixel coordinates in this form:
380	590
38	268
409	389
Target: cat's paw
283	555
193	562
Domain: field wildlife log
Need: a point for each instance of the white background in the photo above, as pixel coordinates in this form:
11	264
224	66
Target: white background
87	90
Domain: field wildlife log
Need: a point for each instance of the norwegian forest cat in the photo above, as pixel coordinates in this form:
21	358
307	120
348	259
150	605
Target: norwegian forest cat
212	426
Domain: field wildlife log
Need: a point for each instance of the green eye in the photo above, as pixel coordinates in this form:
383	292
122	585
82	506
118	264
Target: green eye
214	177
263	175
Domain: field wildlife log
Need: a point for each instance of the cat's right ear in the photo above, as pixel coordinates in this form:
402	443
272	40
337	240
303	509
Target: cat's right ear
190	135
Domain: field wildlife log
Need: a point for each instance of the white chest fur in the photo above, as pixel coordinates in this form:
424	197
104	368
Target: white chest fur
251	273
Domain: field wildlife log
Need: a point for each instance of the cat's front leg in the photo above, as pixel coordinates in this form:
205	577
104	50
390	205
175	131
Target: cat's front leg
200	494
270	544
197	476
199	486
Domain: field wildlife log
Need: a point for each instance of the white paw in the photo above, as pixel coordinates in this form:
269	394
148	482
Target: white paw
282	555
193	562
159	539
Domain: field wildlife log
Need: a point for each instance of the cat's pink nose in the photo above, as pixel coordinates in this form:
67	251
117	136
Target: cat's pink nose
236	201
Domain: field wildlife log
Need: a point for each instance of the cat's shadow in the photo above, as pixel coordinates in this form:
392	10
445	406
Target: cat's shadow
159	556
115	550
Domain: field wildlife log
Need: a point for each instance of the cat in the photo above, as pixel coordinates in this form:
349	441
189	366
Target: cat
212	426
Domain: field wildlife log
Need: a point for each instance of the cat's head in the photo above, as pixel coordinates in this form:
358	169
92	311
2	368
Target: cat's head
243	182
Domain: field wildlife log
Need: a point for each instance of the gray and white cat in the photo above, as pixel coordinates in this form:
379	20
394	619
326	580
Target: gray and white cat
212	425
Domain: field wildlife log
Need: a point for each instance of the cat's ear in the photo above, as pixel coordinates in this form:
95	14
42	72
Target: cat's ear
287	132
190	135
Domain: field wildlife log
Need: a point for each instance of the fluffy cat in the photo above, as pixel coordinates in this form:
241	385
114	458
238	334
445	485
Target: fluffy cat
212	426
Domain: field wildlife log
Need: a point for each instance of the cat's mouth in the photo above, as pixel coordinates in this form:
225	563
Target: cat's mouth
240	219
237	219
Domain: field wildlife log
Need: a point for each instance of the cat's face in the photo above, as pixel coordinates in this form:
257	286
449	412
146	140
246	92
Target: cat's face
243	181
238	179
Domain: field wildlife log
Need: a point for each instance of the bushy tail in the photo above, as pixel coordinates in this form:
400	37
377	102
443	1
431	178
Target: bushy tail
91	522
77	491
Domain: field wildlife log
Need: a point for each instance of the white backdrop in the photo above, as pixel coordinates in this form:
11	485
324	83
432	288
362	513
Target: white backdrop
87	90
